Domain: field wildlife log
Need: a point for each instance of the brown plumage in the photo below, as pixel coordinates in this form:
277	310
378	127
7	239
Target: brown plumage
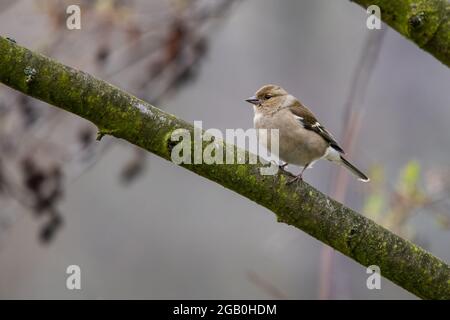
303	139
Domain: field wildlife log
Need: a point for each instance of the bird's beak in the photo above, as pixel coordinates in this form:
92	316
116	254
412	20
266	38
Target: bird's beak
253	100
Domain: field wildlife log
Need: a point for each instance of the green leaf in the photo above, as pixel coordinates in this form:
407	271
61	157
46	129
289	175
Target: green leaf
409	178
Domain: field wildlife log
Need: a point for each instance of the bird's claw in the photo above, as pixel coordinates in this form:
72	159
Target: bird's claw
295	179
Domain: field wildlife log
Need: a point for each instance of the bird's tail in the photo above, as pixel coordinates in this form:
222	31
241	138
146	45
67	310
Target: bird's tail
361	176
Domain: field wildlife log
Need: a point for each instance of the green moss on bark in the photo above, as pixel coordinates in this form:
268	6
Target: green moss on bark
426	22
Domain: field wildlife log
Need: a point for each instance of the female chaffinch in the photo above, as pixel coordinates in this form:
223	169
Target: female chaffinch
302	139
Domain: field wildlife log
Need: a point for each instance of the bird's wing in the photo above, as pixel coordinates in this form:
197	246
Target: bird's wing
309	121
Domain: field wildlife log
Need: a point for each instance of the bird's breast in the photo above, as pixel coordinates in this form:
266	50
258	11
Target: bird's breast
297	145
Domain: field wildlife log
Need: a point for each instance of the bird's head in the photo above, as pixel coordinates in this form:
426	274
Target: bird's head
268	96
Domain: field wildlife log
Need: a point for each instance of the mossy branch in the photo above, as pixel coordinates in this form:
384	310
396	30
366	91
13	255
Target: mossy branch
426	22
125	116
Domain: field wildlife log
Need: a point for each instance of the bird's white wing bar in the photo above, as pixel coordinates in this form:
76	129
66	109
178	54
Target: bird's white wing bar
301	121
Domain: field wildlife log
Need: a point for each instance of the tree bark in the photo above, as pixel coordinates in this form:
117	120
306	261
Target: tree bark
124	116
426	22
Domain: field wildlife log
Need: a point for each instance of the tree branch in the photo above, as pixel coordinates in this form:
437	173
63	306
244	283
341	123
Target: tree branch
124	116
426	22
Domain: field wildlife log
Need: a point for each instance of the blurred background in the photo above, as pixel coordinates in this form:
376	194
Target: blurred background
141	227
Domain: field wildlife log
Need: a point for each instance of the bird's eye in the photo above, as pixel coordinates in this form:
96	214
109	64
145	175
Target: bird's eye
267	96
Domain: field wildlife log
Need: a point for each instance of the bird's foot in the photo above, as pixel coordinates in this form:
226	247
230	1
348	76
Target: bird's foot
299	177
295	179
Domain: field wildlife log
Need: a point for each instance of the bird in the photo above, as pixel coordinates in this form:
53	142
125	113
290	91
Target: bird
302	138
